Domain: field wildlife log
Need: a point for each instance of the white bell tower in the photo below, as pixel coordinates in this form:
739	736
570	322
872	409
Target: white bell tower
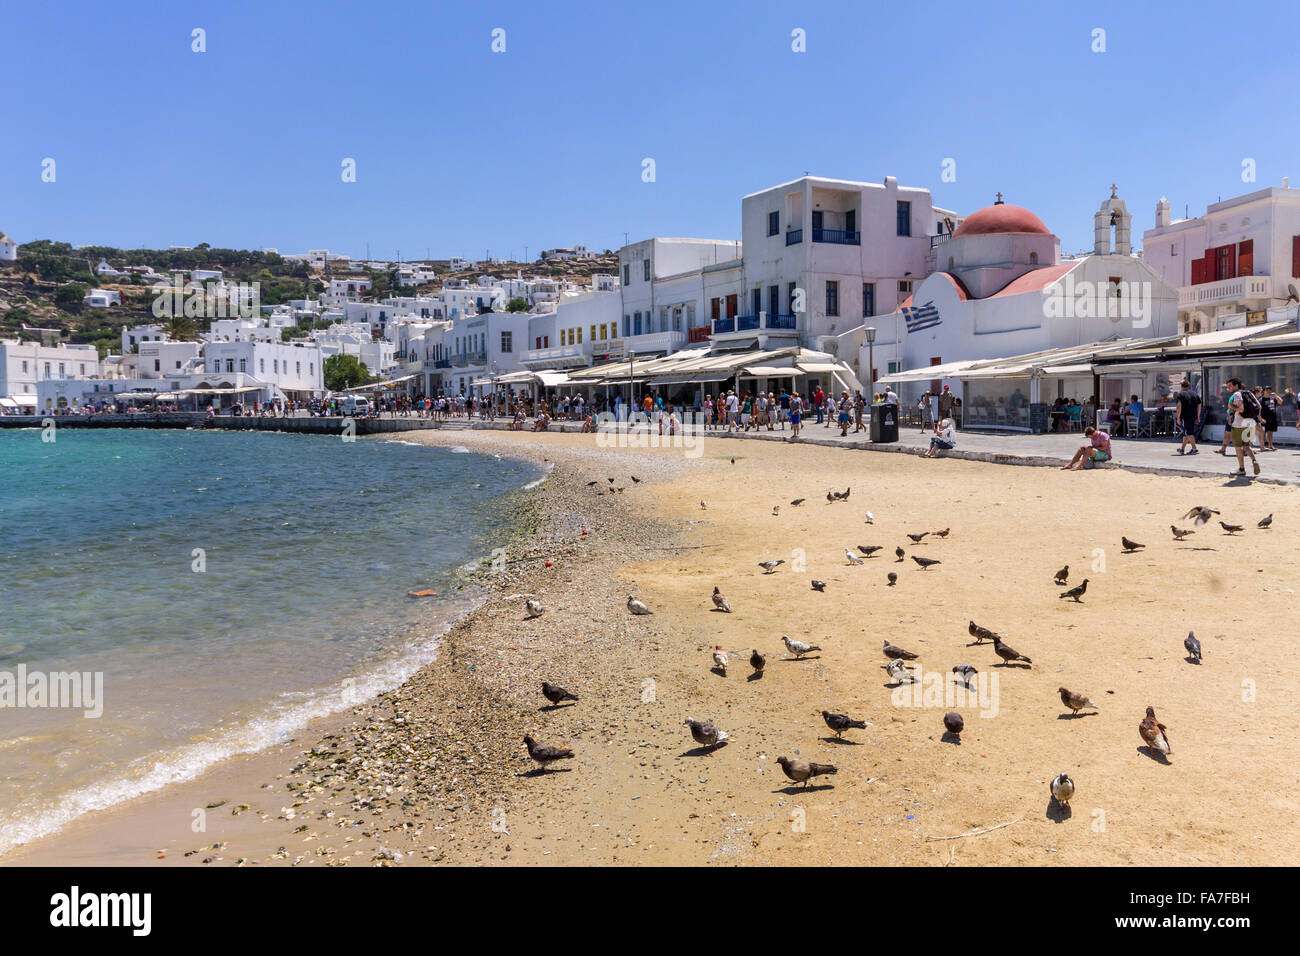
1113	215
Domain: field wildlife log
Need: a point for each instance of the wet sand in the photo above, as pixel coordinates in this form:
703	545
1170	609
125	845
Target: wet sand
436	772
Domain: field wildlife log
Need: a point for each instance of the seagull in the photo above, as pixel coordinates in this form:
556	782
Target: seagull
636	607
719	601
965	672
1076	702
818	585
1193	646
555	693
1179	533
896	653
1063	575
798	648
801	771
871	519
798	501
893	578
898	671
852	558
545	753
926	562
898	553
868	549
534	607
1062	789
1265	522
757	661
1076	592
1154	733
841	722
770	566
980	633
706	732
1130	545
1230	528
1201	513
720	659
1007	652
917	537
953	723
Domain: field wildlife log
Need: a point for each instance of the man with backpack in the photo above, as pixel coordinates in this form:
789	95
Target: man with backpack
1189	406
1245	410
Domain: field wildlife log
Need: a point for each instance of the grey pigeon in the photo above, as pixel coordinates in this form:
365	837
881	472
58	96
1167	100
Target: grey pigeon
899	672
555	693
917	537
868	549
1007	652
818	585
979	632
801	771
1265	522
896	653
706	732
926	562
898	553
637	607
1063	575
1130	545
798	648
893	578
1201	514
1230	528
770	566
1179	533
953	723
841	722
1062	789
797	502
544	753
1076	592
965	672
1193	646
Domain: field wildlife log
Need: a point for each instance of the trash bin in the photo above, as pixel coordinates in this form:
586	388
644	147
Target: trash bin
884	423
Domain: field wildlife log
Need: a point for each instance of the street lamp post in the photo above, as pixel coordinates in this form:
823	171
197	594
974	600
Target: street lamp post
870	333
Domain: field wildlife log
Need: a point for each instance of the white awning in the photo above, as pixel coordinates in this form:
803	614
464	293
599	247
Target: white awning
1066	369
700	377
24	400
772	371
819	367
552	379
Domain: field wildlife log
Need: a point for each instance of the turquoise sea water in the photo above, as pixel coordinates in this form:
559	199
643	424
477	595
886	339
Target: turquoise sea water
294	605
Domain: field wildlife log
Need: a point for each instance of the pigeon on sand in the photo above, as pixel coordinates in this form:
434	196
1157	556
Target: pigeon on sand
797	502
1265	522
706	732
953	723
965	672
851	557
1201	513
1230	528
1180	533
899	672
1063	575
770	566
926	562
1154	733
917	537
1193	646
534	607
801	771
818	585
1062	788
842	722
898	553
757	661
719	601
555	693
720	659
636	607
1007	652
1130	545
868	549
544	753
979	632
896	653
798	648
893	578
1076	702
1076	592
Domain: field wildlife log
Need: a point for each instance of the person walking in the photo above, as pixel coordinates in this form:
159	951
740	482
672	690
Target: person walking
796	415
1189	408
1245	417
859	404
819	403
1269	405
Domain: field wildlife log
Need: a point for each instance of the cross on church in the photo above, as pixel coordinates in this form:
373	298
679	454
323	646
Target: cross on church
999	199
1113	187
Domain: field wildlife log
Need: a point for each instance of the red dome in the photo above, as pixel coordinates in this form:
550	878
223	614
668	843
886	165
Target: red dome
1001	217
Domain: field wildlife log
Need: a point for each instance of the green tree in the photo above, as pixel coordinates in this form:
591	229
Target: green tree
517	304
344	371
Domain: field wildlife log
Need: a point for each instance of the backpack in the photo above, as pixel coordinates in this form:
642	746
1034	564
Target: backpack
1249	404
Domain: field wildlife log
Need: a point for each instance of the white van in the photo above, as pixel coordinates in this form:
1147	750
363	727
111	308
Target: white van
355	406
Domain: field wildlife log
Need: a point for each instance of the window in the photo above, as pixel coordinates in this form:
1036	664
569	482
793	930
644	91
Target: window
868	299
792	296
904	218
507	342
242	365
733	305
261	366
1033	260
627	274
832	297
773	223
627	325
756	299
774	299
851	221
904	287
593	333
579	331
893	368
157	365
24	366
715	306
1246	257
645	269
636	323
1225	262
297	368
230	365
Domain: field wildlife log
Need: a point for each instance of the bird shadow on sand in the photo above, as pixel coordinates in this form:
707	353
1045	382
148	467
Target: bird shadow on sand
704	751
1154	754
545	771
1058	811
1091	713
545	707
1237	481
950	738
718	610
1192	660
832	739
796	660
715	669
1019	665
797	788
1197	549
754	677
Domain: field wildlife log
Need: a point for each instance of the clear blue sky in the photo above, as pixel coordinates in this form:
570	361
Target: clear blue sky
460	150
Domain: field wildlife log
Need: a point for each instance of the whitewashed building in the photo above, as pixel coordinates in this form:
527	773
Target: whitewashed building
23	365
8	249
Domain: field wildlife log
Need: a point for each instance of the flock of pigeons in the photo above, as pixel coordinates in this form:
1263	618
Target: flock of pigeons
710	737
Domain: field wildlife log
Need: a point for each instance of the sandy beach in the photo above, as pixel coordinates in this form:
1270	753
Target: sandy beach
436	772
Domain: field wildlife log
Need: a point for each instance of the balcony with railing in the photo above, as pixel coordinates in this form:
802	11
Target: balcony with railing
793	237
560	356
843	237
1237	289
762	322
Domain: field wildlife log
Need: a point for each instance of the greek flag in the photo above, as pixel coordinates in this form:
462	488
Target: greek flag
922	317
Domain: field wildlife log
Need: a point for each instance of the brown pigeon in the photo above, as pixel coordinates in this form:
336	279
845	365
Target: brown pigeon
980	633
841	722
801	771
1130	545
545	753
1154	733
1180	533
953	723
1007	652
555	693
719	601
757	661
1076	702
896	653
1063	575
